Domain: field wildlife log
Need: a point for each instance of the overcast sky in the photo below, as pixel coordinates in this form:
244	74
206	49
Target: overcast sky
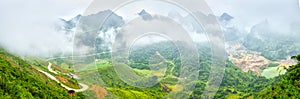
250	12
28	25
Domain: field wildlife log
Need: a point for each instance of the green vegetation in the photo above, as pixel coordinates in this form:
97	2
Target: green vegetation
272	64
123	90
287	87
19	79
241	84
235	84
272	72
64	63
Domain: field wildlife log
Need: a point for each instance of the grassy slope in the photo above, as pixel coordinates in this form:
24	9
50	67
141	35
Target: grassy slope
18	79
122	90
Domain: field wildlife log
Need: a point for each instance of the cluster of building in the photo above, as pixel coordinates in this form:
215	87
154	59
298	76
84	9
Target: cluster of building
246	60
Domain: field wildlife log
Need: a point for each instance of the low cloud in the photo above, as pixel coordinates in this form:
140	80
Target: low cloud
30	27
279	13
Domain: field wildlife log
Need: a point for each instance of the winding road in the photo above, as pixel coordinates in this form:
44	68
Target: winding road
83	86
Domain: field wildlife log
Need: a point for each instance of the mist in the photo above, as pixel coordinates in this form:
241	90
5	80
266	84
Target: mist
280	14
30	27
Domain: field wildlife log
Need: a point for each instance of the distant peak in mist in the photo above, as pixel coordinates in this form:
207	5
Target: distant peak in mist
226	17
145	15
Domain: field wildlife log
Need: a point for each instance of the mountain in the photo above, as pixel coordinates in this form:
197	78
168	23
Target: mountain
232	32
272	44
93	22
226	17
96	29
145	15
89	34
69	25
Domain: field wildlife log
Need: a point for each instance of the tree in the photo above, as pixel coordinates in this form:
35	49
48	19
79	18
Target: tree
296	57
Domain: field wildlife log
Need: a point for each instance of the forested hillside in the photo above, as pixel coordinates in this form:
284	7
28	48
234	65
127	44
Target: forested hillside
288	86
235	84
20	79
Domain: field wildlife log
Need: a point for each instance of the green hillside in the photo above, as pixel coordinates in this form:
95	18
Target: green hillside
287	87
235	84
19	79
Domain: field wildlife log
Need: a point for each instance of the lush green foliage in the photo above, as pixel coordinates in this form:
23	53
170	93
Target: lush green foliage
18	79
236	83
289	85
122	90
241	84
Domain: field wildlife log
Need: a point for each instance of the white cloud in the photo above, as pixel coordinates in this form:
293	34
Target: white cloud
28	26
250	12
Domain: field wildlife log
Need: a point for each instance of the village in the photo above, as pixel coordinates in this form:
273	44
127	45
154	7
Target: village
246	60
250	60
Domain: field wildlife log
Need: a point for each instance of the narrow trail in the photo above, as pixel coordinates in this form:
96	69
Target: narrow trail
50	69
83	86
172	68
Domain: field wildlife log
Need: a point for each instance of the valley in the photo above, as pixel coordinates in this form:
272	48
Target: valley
256	61
99	80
